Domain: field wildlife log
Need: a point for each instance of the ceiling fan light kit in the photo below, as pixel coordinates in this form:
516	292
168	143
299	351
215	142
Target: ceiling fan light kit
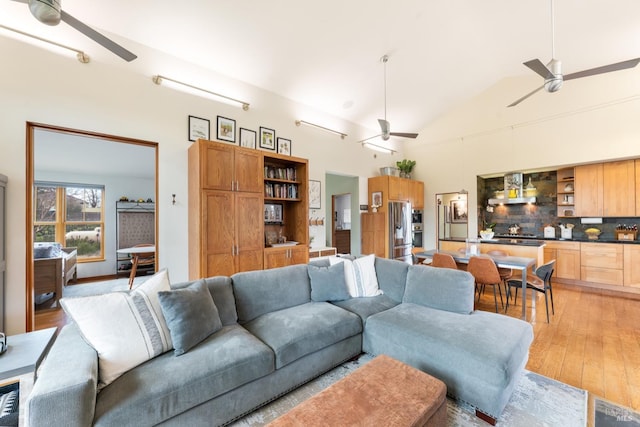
552	72
186	87
81	56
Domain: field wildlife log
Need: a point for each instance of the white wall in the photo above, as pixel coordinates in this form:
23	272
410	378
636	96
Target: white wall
588	120
42	87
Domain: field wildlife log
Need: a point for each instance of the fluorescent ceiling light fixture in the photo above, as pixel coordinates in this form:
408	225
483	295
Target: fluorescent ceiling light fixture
186	87
31	39
302	122
378	147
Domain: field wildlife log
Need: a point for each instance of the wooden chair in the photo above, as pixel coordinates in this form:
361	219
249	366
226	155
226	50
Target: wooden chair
485	272
540	282
138	259
443	261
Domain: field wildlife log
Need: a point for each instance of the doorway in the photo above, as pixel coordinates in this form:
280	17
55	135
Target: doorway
341	222
63	157
453	216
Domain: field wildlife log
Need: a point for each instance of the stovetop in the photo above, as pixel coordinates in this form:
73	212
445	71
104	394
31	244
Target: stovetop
517	236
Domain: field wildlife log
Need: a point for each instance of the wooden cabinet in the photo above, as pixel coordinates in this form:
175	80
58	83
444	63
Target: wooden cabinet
284	256
230	168
342	241
567	256
416	194
619	188
631	265
322	252
394	188
565	191
373	231
637	192
602	263
589	188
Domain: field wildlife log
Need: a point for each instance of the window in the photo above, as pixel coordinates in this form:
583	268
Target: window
72	214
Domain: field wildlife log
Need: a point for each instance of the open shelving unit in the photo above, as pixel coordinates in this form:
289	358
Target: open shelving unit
565	193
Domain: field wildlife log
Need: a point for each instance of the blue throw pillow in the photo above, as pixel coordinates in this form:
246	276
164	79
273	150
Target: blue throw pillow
191	315
327	283
40	252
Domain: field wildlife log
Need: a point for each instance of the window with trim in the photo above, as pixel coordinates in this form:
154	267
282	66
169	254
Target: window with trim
72	214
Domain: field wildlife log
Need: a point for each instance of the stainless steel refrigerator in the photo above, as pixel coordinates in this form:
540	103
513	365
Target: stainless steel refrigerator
400	231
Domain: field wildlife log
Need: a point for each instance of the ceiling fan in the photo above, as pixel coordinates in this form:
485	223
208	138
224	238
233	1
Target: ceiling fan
552	72
385	127
50	12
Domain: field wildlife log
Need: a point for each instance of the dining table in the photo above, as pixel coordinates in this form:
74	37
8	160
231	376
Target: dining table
502	261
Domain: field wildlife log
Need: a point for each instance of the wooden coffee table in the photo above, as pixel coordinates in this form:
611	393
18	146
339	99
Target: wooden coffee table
384	392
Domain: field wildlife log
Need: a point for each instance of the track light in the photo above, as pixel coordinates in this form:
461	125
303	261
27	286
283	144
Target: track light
378	147
186	87
31	39
302	122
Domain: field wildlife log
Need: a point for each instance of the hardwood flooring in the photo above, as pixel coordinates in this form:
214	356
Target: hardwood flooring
592	342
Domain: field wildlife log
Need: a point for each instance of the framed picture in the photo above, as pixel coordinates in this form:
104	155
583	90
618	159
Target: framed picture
267	139
284	146
459	212
376	199
273	213
315	194
198	128
226	129
247	138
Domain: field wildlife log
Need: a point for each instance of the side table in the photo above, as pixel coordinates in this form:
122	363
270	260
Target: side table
22	358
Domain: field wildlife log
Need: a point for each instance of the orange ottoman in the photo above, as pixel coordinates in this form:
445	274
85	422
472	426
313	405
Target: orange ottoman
384	392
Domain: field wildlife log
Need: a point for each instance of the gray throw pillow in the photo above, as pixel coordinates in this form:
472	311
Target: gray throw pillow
328	283
40	252
191	315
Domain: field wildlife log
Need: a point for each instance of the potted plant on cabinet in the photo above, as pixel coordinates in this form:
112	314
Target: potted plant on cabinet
406	166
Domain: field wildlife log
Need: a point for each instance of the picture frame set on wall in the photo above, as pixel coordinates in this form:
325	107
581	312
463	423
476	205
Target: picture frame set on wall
199	128
267	139
315	194
226	129
248	138
284	146
459	212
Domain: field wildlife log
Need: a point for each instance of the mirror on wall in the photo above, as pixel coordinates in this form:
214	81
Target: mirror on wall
453	216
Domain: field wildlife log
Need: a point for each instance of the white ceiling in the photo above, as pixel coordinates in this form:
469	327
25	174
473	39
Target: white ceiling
326	54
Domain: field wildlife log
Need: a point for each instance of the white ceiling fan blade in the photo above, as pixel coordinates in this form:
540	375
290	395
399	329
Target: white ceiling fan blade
513	104
404	134
97	37
603	69
541	69
384	126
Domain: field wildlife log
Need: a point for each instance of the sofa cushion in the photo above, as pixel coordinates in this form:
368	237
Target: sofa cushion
365	307
221	291
297	331
265	291
327	283
441	288
392	277
190	314
167	386
125	328
40	252
477	355
360	275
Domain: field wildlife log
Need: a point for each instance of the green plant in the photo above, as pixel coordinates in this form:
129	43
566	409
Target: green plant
405	165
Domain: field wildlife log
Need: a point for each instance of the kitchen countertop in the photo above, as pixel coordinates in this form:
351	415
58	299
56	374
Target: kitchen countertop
575	239
503	241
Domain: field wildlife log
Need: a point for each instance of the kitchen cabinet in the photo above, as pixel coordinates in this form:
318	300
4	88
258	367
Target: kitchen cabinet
284	256
631	265
394	188
373	231
588	189
565	192
602	263
416	194
567	256
619	188
637	192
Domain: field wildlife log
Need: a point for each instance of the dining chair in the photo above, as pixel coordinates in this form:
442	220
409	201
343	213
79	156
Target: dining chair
540	281
138	259
485	272
505	273
443	261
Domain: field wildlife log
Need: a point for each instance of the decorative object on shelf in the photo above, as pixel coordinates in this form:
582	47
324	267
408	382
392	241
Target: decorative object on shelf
315	198
267	139
376	200
405	166
513	184
124	199
284	146
248	138
273	213
226	129
198	128
389	171
592	233
530	185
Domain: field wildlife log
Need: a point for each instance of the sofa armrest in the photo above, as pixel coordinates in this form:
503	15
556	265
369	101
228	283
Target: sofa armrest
440	288
64	393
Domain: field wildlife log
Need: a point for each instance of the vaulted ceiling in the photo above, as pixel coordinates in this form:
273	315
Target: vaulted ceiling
326	54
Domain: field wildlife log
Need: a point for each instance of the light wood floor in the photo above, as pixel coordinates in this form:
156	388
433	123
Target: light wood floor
592	341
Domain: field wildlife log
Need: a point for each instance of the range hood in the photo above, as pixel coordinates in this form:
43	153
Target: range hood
512	201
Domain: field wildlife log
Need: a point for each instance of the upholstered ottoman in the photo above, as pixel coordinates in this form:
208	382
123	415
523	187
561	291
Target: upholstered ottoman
384	392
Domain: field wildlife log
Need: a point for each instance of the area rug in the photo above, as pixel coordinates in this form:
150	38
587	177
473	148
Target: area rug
609	414
537	401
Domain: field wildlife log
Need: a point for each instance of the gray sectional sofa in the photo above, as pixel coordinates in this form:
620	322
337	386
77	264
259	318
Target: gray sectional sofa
275	337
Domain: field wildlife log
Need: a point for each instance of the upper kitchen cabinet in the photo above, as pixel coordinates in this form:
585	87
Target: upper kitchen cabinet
416	196
619	188
588	189
394	188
